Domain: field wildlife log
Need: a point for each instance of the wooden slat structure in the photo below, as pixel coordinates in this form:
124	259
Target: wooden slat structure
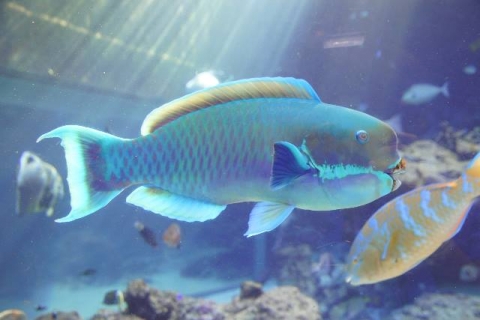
145	48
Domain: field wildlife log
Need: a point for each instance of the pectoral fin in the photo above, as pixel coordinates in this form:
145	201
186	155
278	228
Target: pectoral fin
289	163
266	216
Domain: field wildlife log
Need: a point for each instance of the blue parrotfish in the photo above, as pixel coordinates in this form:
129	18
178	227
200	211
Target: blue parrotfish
409	228
266	140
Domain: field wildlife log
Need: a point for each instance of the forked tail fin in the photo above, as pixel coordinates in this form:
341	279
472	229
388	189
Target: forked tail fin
445	90
89	179
470	180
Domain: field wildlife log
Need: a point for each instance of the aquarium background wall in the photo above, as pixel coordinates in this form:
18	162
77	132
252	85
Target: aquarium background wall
106	64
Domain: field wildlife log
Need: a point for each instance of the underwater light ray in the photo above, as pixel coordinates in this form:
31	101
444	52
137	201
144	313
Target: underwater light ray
233	32
190	27
298	8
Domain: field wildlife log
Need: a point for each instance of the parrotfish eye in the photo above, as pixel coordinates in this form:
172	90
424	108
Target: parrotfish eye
362	136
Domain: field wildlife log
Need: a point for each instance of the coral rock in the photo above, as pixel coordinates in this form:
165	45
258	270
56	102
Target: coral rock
294	267
250	289
428	162
200	309
149	303
440	307
13	314
112	315
283	303
60	316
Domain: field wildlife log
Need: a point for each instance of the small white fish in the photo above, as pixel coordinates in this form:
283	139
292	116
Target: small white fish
202	80
470	69
423	92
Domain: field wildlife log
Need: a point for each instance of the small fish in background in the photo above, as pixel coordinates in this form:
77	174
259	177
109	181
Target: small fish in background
115	297
88	272
411	227
41	307
172	236
203	80
39	185
470	69
13	314
146	233
423	92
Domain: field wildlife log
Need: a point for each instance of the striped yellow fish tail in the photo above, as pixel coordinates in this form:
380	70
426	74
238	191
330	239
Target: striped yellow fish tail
473	168
469	182
90	180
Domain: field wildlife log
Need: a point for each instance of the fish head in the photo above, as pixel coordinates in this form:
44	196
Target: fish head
376	253
356	156
364	264
362	267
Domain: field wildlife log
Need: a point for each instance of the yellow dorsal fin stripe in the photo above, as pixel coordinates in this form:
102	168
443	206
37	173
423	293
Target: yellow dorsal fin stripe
227	92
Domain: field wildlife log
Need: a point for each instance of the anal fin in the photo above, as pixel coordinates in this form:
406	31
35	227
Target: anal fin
173	206
266	216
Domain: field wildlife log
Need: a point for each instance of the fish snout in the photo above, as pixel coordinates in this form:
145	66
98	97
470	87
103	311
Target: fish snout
396	170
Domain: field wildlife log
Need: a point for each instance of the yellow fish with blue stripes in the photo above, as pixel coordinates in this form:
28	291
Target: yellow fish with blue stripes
266	140
408	229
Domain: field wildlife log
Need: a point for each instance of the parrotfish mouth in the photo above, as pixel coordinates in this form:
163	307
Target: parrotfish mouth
398	169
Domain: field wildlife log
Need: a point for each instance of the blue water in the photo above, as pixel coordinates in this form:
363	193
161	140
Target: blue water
52	73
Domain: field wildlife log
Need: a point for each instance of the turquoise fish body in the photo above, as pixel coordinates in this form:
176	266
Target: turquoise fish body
411	227
267	140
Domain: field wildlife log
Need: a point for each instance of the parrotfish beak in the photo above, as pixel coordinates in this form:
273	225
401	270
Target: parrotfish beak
394	171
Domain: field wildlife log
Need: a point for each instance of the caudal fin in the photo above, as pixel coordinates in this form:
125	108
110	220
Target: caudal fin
473	168
445	91
86	164
470	180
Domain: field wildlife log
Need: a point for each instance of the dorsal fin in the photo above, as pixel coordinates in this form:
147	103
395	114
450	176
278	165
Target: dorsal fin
230	91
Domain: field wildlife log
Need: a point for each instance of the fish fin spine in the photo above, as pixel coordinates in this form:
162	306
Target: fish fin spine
87	164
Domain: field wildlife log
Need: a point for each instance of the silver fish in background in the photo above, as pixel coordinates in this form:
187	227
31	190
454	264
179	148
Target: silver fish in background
423	93
39	185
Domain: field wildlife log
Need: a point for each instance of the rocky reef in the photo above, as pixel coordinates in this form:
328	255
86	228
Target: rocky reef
73	315
429	162
440	306
144	302
464	143
294	268
321	276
